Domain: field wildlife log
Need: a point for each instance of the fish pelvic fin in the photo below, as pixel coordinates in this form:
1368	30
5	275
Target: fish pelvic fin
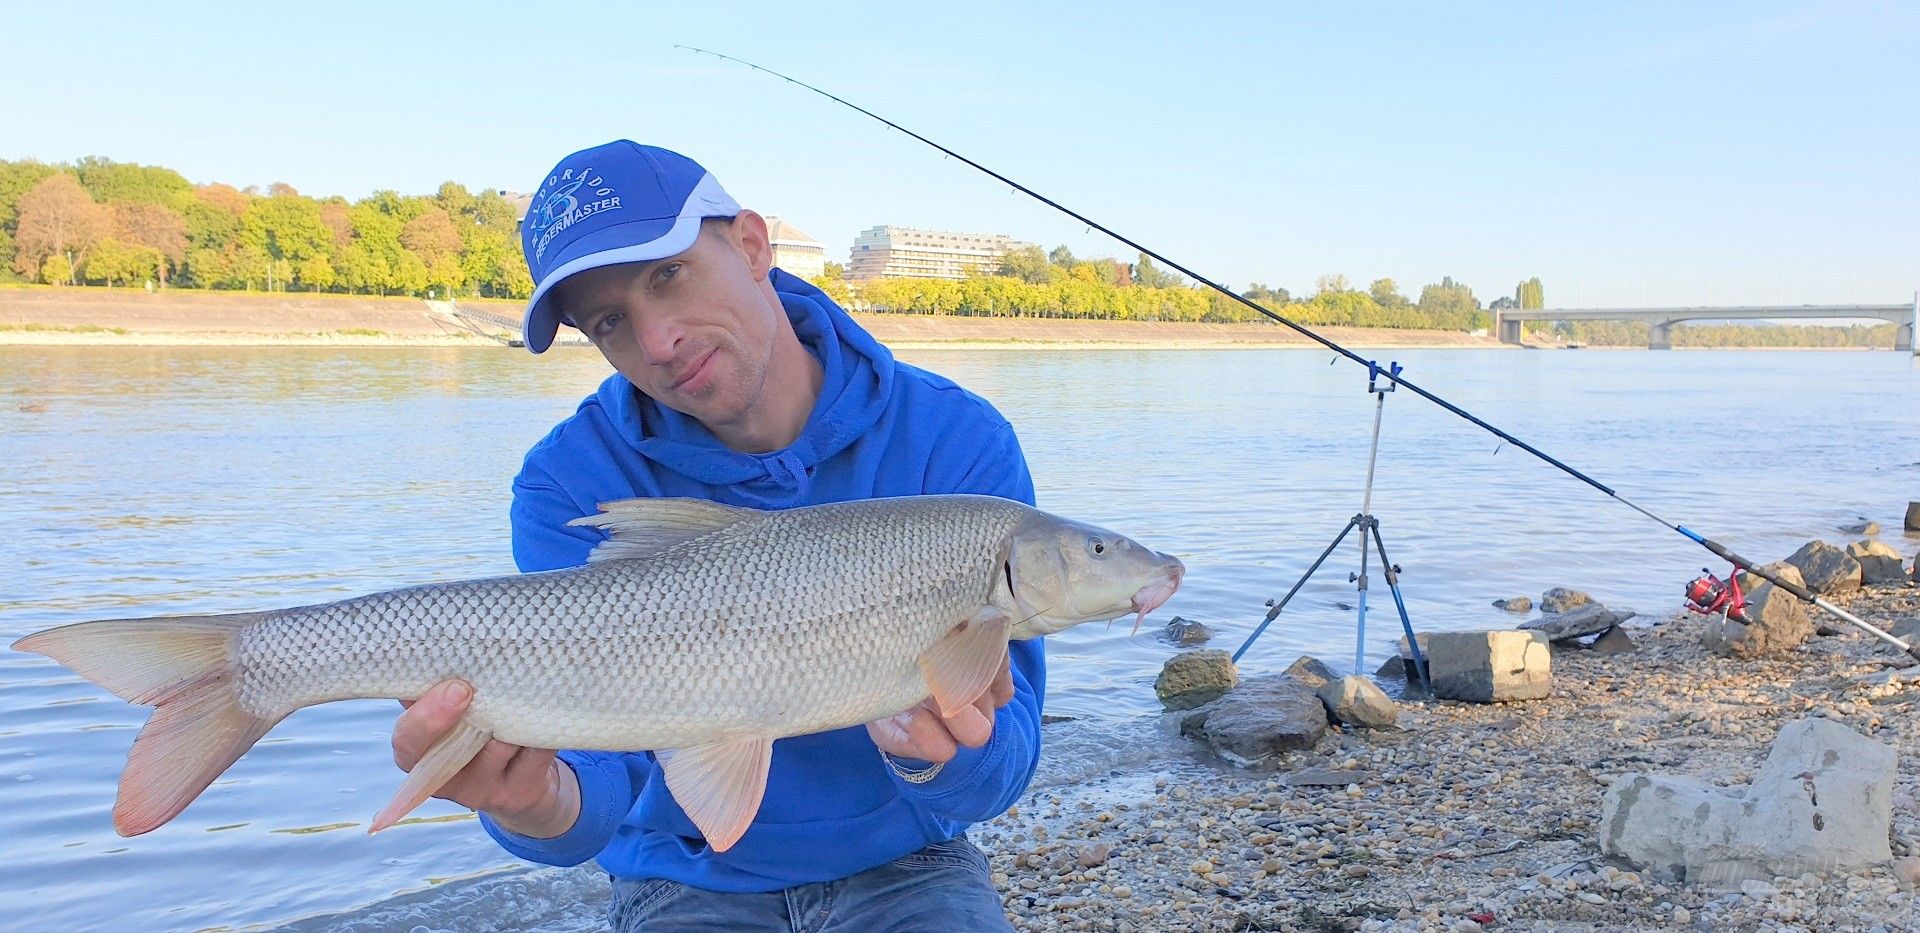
961	666
720	784
183	665
645	526
432	771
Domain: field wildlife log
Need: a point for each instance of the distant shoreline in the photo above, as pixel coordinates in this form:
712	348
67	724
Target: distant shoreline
135	317
46	316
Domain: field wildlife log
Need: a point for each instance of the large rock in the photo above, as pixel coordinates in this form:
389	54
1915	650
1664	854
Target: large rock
1311	671
1913	516
1194	678
1777	621
1861	527
1583	620
1561	599
1878	562
1355	701
1489	667
1750	582
1260	718
1822	802
1827	570
1186	632
1613	641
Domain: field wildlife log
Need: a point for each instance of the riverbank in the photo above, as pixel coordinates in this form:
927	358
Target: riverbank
133	317
1484	816
1469	817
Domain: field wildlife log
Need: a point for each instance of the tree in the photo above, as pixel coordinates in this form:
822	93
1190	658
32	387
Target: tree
113	182
156	228
115	262
1027	264
1530	294
1148	275
1271	297
1061	256
16	178
432	237
278	235
1332	283
1451	305
57	218
1386	294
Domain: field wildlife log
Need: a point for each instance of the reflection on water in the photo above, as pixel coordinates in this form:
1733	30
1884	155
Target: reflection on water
211	480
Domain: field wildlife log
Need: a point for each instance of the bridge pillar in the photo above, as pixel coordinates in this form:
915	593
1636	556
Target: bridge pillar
1903	338
1660	335
1507	329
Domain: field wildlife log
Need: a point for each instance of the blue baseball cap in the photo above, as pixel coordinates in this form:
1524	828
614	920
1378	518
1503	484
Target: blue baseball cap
619	202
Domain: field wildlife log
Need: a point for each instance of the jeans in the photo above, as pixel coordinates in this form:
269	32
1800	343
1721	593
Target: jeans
943	888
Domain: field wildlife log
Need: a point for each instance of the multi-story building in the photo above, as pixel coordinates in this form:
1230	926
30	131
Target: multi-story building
794	251
927	254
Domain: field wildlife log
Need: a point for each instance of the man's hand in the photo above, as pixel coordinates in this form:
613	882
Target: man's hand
923	733
526	790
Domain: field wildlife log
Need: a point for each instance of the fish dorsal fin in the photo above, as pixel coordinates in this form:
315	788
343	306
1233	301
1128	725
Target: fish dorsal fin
645	526
720	784
963	663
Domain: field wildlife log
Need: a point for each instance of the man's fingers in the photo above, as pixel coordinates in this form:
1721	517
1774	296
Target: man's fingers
1002	689
426	720
931	740
970	726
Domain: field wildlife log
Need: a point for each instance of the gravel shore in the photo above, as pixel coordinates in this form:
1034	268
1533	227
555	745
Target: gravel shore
1477	816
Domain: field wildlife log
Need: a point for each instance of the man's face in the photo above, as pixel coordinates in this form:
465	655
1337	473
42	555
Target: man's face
694	331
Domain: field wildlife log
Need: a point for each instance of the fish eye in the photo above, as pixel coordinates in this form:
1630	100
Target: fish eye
1097	546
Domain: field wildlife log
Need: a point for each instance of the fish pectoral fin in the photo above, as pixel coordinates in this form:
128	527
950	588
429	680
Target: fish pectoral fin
642	527
435	768
962	665
720	784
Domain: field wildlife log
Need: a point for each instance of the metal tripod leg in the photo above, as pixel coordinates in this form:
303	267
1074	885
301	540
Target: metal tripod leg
1406	625
1274	612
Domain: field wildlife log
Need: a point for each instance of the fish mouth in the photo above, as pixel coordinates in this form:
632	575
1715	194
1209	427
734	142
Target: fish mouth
1155	594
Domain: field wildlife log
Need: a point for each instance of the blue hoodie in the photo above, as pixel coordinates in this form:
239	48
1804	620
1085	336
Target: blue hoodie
832	807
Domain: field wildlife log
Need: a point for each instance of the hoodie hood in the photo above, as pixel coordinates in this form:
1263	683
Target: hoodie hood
857	374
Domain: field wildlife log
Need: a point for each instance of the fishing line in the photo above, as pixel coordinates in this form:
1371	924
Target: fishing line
1718	549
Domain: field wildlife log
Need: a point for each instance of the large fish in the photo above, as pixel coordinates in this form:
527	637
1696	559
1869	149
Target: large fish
701	631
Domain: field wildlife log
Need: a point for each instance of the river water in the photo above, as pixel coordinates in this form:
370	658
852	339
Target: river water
150	481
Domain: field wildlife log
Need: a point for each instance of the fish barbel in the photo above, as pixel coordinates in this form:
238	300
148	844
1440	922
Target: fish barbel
699	631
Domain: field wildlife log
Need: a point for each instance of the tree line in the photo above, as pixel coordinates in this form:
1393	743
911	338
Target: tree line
100	222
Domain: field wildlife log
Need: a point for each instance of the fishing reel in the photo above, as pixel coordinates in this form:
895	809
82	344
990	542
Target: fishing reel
1710	595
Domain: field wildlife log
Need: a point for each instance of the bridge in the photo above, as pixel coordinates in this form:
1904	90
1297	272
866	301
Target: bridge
1660	321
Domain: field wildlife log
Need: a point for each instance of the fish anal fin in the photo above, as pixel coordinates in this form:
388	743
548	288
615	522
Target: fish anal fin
720	784
642	527
434	769
962	665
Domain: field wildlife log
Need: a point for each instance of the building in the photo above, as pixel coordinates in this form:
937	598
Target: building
890	252
794	251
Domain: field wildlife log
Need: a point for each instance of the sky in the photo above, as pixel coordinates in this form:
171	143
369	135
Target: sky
1628	154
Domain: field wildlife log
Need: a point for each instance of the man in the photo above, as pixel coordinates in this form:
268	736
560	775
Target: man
739	383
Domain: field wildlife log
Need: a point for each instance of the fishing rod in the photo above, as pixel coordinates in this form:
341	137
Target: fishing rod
1717	548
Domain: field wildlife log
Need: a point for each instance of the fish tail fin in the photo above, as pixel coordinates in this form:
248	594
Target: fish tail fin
183	665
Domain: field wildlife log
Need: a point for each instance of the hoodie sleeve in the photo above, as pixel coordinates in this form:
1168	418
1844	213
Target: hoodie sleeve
979	784
610	782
